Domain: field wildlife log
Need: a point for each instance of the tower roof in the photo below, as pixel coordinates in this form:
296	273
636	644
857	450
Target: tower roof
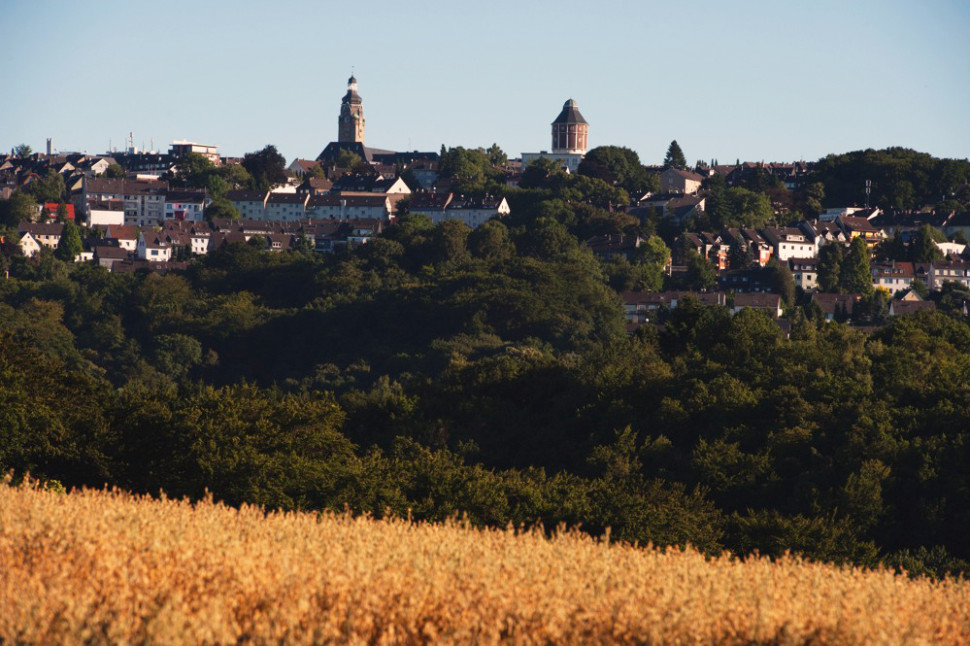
352	96
570	114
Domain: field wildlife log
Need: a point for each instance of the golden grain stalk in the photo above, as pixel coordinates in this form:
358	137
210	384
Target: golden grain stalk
108	567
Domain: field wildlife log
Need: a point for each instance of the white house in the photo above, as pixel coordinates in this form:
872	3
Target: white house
153	247
893	276
472	211
187	205
789	242
349	207
29	246
285	207
47	234
250	204
105	212
125	234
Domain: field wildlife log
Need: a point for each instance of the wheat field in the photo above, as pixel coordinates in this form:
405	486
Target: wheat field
108	567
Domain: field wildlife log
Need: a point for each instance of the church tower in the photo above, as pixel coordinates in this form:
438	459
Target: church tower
570	132
351	122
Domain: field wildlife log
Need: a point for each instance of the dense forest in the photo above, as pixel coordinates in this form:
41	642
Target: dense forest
440	370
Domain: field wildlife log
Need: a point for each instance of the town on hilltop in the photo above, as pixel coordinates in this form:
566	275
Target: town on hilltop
859	236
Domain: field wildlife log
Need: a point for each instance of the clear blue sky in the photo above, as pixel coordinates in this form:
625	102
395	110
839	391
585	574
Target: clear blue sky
753	80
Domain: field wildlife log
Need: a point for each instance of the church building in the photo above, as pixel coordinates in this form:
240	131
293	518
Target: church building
350	129
351	122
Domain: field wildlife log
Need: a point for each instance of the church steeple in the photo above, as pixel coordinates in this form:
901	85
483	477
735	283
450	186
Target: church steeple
351	122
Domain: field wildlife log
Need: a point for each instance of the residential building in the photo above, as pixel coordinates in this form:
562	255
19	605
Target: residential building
473	211
910	308
614	245
179	148
770	303
286	207
680	182
893	276
680	209
186	204
348	207
804	271
144	200
855	227
153	246
836	307
789	242
46	234
250	204
942	271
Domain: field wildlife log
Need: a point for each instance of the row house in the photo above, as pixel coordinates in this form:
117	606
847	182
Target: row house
446	206
643	307
294	207
326	235
192	236
942	271
823	233
249	204
349	207
285	207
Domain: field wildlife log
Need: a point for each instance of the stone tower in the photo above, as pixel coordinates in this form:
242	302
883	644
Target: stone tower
351	122
570	132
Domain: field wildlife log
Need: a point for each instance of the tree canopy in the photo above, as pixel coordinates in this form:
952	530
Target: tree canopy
266	168
675	156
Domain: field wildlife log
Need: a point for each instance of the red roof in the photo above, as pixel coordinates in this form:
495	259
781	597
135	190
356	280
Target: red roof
51	208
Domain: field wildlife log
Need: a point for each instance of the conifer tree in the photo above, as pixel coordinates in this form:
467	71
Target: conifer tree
675	156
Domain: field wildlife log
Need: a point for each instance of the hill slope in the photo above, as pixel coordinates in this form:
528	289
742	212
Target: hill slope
109	567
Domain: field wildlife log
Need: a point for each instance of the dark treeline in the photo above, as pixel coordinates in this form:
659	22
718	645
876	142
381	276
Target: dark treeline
442	370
